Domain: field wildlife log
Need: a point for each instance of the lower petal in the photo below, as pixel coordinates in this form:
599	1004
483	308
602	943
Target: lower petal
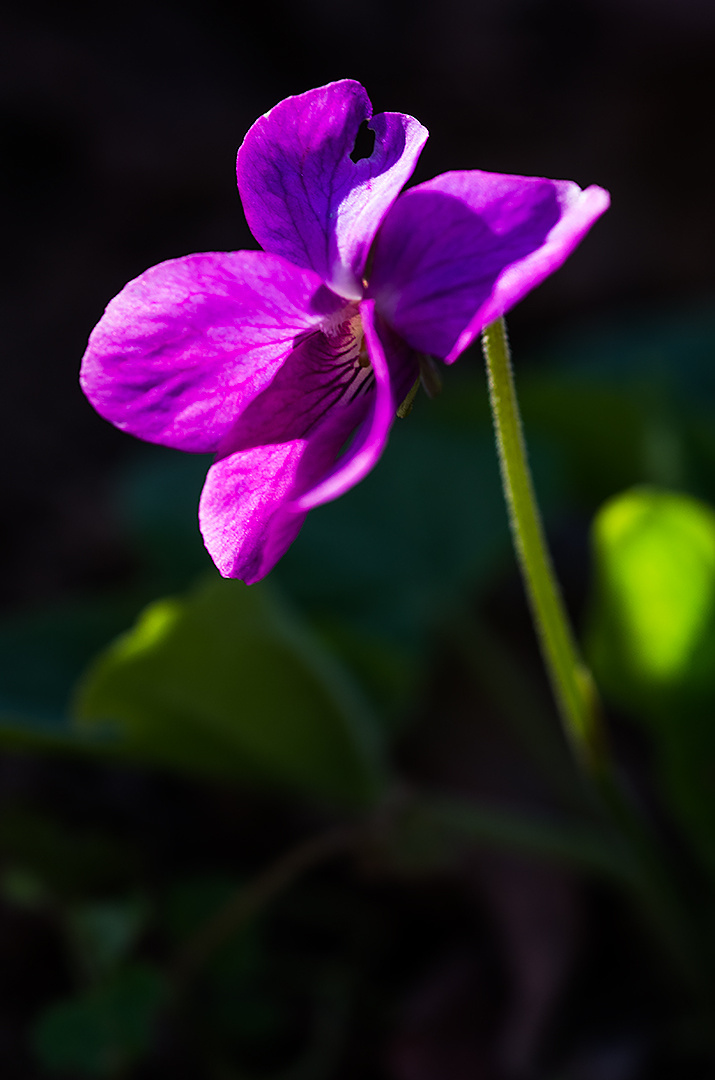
243	512
249	512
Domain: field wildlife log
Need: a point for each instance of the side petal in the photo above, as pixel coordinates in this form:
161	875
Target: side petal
242	512
189	343
395	369
303	195
457	252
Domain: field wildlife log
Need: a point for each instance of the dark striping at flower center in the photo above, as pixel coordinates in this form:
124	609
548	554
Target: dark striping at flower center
349	356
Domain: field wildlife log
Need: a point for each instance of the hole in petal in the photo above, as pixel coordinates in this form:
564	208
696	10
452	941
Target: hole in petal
364	143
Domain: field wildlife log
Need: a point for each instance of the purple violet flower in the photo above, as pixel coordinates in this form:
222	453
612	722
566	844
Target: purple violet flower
274	359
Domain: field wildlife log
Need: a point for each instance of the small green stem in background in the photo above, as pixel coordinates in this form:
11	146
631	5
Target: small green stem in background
571	681
255	894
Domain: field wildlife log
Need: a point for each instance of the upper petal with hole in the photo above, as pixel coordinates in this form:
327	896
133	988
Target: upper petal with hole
303	195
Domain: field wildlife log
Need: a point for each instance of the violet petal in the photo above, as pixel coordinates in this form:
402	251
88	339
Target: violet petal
305	198
242	512
455	253
189	343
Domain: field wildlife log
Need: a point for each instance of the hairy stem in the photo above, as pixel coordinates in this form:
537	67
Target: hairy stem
653	884
570	679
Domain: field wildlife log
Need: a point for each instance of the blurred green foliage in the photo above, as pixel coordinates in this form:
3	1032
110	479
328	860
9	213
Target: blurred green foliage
104	1031
300	686
43	858
653	631
652	638
226	683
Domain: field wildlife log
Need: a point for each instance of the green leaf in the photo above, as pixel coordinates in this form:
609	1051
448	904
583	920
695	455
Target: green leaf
225	682
654	616
102	1033
651	638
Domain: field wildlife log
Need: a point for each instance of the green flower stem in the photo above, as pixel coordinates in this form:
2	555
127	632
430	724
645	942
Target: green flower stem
653	882
571	681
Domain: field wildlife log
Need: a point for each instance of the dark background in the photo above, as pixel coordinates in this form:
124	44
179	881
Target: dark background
120	125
